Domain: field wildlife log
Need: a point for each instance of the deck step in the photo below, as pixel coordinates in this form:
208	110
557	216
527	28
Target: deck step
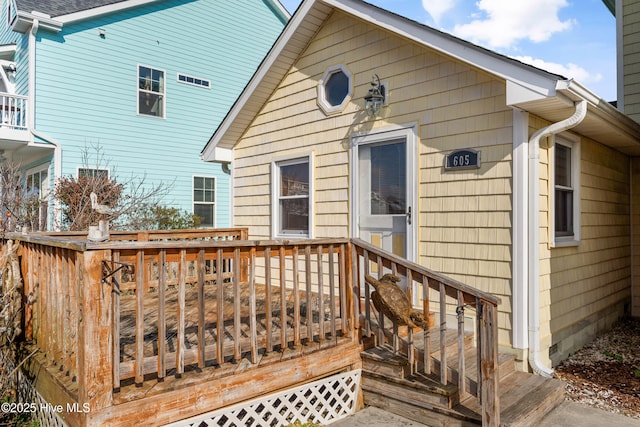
524	399
388	383
506	366
385	373
382	361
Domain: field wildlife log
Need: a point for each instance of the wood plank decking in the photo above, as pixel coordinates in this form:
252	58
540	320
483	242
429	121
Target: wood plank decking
211	328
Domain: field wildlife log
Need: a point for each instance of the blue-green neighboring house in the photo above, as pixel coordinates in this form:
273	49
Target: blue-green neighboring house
148	81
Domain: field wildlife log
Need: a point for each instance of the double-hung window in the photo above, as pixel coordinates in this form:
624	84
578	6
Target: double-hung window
566	201
292	192
151	91
204	199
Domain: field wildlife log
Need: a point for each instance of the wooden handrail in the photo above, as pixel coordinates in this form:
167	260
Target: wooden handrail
403	265
369	258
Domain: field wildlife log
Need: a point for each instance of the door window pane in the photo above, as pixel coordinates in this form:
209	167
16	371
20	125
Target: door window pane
388	179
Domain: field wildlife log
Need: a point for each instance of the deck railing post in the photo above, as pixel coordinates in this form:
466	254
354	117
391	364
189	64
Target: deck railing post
488	341
95	358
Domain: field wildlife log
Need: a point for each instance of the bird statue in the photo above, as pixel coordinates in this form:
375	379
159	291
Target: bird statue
101	209
99	233
391	301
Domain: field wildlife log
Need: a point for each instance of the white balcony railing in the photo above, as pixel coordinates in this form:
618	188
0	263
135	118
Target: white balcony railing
13	111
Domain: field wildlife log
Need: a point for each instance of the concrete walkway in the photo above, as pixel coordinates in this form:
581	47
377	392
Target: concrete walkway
567	414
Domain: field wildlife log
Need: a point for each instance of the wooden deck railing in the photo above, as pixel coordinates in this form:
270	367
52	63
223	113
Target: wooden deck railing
451	297
69	315
148	305
174	309
135	309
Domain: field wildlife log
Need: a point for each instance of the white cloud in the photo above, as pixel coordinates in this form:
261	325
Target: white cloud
509	21
437	8
571	71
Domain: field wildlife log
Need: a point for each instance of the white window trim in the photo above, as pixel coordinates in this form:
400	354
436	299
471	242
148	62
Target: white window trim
573	142
215	198
321	98
275	194
164	93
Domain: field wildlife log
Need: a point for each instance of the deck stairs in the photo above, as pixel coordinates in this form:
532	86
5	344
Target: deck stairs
389	383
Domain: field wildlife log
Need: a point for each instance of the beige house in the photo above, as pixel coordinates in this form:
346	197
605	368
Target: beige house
508	178
627	15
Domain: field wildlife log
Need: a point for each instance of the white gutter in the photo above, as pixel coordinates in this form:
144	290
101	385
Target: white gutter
31	119
534	232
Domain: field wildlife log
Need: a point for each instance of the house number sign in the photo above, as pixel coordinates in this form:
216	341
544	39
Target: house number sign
462	159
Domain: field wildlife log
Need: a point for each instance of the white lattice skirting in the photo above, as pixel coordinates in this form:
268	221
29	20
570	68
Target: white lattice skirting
27	394
323	401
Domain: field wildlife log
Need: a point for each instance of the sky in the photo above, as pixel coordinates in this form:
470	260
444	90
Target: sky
573	38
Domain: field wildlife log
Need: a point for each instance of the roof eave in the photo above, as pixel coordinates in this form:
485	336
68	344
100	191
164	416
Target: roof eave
24	21
103	10
604	123
225	137
537	82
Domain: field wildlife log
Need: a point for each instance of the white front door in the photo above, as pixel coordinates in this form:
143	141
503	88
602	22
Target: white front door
384	175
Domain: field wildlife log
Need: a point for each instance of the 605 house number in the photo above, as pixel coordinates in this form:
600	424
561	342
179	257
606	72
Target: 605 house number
462	159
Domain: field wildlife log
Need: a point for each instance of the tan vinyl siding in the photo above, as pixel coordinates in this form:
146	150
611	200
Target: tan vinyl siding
464	217
631	57
585	288
635	235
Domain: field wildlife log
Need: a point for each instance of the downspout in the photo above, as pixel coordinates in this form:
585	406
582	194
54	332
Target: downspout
534	232
31	117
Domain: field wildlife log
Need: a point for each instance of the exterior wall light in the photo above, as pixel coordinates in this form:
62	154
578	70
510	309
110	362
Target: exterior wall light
376	97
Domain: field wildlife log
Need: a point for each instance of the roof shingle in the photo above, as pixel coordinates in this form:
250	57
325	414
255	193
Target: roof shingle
61	7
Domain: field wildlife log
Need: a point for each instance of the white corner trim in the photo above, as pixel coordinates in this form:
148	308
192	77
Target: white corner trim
519	305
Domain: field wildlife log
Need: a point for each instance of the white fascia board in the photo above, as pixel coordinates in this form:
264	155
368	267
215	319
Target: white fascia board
218	155
7	51
279	8
102	10
517	94
24	21
537	80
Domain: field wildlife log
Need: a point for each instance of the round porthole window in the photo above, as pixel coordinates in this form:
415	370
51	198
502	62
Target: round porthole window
334	89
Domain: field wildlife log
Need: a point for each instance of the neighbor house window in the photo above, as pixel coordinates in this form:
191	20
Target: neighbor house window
11	12
566	202
195	81
292	197
204	199
38	197
93	172
334	89
151	91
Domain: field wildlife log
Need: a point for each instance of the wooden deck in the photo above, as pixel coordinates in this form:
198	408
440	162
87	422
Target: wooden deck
156	327
223	333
